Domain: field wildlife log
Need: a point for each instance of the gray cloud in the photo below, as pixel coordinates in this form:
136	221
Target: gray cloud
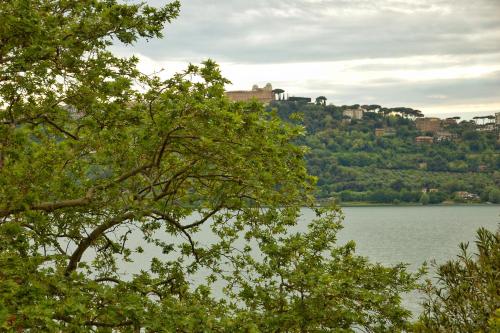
262	31
416	94
457	33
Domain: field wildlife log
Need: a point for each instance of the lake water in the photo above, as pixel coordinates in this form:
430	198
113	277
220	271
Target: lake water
391	234
415	234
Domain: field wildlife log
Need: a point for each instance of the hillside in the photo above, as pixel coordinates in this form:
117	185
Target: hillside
377	158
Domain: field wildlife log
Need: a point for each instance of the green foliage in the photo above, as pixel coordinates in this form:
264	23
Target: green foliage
92	151
494	195
424	199
306	284
466	295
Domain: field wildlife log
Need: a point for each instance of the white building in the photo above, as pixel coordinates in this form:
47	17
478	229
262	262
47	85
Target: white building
354	113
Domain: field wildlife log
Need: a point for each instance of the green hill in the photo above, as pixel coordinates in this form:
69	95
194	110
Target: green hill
377	159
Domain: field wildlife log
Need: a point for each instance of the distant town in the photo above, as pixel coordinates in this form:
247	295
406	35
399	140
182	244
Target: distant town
433	129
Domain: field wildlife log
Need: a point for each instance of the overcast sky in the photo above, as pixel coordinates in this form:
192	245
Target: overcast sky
439	56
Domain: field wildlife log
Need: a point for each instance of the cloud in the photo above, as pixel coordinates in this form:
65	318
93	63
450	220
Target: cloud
385	51
299	30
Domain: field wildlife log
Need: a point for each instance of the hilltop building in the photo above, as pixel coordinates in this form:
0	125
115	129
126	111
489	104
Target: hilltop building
450	121
432	125
486	128
354	113
264	95
497	118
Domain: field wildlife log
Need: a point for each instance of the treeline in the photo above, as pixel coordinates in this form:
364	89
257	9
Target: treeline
354	164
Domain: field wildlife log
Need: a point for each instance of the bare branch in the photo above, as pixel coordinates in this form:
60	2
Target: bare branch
179	227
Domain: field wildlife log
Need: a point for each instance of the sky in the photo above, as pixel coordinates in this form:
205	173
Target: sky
440	56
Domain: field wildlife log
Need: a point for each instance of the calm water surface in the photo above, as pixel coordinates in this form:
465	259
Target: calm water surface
413	235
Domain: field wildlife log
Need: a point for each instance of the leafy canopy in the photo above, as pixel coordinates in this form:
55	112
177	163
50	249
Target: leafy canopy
92	151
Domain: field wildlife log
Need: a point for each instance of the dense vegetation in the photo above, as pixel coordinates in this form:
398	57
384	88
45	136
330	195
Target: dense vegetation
353	164
88	161
94	153
466	296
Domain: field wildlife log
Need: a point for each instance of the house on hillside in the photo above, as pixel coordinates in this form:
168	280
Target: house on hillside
432	125
354	113
387	131
379	132
463	195
424	139
444	136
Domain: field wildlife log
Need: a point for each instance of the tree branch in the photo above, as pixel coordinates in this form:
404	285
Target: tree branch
108	279
94	235
60	129
51	206
83	201
204	219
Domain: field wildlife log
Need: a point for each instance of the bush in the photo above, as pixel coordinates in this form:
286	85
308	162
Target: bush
466	296
494	196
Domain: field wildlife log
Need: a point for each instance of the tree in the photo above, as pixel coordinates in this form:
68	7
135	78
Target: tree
465	297
307	284
321	100
424	199
94	151
494	195
280	93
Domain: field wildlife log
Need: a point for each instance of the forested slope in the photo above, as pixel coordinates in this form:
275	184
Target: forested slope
353	164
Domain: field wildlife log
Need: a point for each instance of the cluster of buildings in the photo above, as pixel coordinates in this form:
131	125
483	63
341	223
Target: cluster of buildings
434	129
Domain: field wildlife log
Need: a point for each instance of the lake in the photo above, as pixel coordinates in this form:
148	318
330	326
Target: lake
414	234
390	235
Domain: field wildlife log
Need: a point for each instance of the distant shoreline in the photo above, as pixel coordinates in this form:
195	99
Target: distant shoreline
410	204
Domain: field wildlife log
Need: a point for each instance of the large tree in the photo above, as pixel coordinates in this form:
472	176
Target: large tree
93	152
